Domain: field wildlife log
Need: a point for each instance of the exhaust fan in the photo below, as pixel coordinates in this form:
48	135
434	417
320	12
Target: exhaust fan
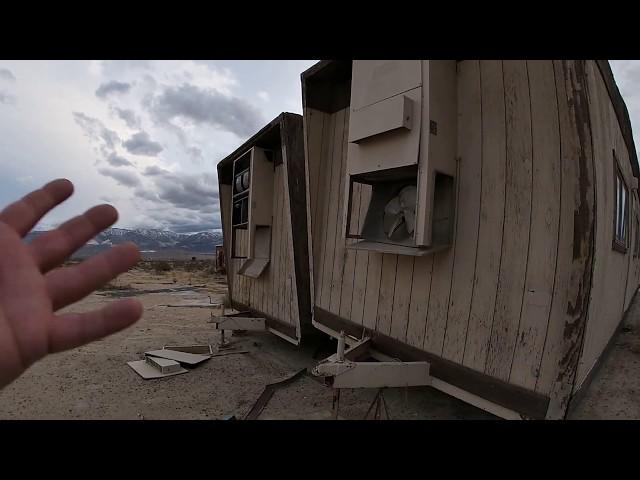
400	215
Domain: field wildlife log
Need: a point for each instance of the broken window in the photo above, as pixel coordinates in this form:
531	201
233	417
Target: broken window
621	211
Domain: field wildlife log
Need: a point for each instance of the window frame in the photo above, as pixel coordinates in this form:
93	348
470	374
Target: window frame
620	244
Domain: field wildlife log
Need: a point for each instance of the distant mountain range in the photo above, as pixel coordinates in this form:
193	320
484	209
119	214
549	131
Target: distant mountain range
152	243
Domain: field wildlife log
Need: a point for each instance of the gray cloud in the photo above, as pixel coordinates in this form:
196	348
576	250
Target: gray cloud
187	191
118	161
113	86
193	192
95	130
123	177
146	194
183	221
6	74
129	117
154	170
206	106
141	144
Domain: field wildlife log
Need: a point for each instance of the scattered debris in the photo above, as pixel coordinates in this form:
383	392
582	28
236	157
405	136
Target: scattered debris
171	359
268	392
164	365
182	357
147	371
198	349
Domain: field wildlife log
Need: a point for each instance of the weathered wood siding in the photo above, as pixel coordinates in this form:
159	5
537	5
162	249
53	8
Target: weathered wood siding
274	292
496	300
615	274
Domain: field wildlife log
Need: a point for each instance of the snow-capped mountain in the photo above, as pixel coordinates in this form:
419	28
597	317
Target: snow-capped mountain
149	240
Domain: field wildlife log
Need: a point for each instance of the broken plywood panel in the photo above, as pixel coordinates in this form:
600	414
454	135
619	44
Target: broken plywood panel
197	349
164	365
146	371
182	357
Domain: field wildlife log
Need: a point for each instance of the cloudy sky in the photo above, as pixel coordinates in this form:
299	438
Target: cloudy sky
145	136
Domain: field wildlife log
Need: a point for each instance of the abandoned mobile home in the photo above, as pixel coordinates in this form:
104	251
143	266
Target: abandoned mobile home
480	217
264	221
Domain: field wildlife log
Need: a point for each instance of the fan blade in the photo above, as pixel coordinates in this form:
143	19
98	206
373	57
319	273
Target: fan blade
408	197
410	218
393	207
396	225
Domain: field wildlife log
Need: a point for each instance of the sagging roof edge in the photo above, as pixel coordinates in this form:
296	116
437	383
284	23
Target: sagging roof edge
275	123
619	106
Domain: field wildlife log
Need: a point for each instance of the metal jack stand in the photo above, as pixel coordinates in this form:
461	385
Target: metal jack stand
335	407
223	343
379	403
348	368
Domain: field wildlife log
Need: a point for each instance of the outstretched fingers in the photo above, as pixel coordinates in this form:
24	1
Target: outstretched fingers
24	214
55	246
70	284
76	329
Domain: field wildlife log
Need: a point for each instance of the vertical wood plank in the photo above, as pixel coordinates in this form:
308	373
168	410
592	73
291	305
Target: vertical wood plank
545	214
224	196
402	297
468	208
333	192
576	141
517	220
361	263
337	272
283	255
492	204
322	207
277	307
441	276
314	133
372	290
346	299
387	290
419	302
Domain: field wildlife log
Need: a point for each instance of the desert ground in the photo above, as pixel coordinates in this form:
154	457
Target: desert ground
95	382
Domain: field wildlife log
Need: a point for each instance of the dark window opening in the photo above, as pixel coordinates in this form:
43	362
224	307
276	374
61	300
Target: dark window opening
621	211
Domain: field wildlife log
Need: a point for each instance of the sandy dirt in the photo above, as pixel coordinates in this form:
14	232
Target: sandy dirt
614	393
95	382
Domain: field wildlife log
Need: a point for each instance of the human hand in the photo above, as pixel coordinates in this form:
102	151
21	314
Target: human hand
32	289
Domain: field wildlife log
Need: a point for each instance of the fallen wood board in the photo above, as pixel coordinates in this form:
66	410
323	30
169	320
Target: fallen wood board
193	305
130	292
268	392
197	349
146	371
229	352
164	365
182	357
